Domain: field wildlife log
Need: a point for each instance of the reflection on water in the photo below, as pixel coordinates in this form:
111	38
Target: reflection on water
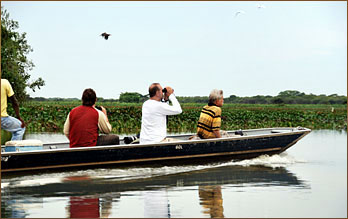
93	192
156	204
211	200
310	175
84	207
89	206
107	180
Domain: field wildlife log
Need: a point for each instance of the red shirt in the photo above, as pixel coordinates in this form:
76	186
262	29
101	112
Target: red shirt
83	129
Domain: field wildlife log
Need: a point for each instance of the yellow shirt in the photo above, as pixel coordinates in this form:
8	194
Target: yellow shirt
6	91
209	120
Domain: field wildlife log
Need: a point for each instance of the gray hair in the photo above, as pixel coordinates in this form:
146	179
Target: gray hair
215	95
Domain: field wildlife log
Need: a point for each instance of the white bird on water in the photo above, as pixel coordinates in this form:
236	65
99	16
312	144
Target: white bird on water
239	12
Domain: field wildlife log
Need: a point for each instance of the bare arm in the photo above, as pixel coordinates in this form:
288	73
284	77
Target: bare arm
217	133
67	126
103	122
106	115
15	106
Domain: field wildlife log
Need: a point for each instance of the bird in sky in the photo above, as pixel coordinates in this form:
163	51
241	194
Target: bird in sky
105	35
239	12
259	6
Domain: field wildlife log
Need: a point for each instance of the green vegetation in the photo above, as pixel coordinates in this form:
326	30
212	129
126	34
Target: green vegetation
284	97
14	62
132	97
126	117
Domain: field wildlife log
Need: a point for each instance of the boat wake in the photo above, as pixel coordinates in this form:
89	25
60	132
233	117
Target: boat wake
117	174
274	161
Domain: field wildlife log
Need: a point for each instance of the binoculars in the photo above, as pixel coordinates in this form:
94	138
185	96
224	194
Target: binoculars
165	90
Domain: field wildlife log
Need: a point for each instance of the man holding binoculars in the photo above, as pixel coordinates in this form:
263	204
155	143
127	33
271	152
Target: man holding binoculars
154	114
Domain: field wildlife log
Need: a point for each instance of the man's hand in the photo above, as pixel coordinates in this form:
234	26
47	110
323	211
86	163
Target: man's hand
103	110
169	92
23	123
15	106
217	133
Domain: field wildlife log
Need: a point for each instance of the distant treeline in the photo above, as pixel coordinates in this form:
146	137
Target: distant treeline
284	97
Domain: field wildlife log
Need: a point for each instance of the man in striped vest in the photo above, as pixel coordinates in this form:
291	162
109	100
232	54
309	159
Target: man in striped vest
209	122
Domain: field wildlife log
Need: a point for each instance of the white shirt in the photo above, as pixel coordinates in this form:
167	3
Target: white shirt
153	120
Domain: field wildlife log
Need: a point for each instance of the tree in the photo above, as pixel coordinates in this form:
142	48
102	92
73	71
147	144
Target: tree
15	65
291	93
278	100
130	97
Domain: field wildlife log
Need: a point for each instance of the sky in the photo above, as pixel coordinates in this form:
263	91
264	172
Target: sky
244	48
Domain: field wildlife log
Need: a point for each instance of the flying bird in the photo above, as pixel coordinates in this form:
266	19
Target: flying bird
239	12
259	6
105	35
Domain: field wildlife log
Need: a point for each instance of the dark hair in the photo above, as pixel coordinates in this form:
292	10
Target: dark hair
153	89
89	97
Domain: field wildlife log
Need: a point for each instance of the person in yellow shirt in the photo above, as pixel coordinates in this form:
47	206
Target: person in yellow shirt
8	123
210	119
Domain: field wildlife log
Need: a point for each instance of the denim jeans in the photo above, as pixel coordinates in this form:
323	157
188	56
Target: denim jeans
13	125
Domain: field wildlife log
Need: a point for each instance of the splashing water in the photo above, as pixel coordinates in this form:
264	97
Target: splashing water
274	161
120	174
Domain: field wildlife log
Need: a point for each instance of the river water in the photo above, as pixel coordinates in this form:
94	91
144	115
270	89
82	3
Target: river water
308	180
